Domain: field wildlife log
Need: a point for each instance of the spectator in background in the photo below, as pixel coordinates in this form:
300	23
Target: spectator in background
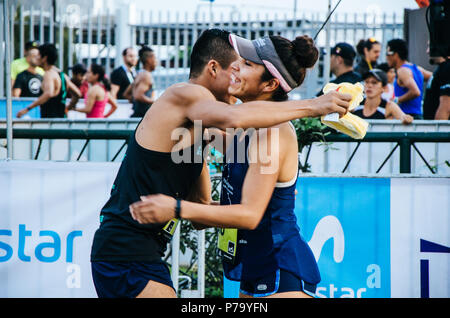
98	94
55	86
341	65
20	65
79	78
142	93
369	51
28	83
436	104
408	85
124	75
388	94
375	107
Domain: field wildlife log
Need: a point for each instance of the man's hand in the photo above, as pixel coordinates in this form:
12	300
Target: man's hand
156	208
407	119
22	112
332	102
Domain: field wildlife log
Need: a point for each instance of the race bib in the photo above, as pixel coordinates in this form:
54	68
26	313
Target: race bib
227	244
169	229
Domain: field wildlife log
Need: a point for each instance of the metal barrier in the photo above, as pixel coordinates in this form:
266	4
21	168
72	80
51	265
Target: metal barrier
406	141
355	157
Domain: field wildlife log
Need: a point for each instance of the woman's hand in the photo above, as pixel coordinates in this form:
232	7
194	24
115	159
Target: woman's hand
156	208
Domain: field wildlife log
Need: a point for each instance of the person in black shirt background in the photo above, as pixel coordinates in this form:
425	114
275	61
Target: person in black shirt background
55	86
436	104
28	83
124	75
341	65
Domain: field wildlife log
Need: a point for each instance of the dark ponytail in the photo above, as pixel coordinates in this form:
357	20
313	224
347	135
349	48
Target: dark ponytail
98	69
296	56
365	44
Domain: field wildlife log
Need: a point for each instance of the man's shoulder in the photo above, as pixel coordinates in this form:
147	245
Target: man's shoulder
22	75
444	69
350	76
404	70
190	92
19	62
117	71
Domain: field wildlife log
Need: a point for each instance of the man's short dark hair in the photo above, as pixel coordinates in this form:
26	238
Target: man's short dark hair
78	69
213	44
398	46
49	50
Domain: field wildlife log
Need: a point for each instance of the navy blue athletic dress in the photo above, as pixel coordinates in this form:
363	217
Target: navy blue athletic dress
273	257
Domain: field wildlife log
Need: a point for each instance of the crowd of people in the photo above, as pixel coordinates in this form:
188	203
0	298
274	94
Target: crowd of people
35	75
395	89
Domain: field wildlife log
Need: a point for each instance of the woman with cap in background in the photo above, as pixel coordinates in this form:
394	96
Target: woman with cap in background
268	255
374	106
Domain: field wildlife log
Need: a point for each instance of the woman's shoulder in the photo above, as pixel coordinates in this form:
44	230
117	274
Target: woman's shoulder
98	90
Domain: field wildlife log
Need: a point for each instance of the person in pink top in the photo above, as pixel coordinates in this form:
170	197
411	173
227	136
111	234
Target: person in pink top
98	94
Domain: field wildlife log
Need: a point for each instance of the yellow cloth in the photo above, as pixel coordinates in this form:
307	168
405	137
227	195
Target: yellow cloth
349	124
20	65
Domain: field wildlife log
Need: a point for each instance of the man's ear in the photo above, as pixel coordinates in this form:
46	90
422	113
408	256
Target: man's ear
212	68
271	85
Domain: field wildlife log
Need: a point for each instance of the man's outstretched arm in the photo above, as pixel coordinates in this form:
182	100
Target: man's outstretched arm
260	114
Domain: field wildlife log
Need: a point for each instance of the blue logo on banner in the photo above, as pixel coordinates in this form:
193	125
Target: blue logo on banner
52	248
346	222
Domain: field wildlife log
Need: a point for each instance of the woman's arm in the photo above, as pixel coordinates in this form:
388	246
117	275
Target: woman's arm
256	193
89	102
113	104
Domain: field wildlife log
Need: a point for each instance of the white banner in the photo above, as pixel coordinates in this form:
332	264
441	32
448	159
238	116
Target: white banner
48	214
393	241
420	237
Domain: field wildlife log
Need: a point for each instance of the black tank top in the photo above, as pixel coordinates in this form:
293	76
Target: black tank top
139	108
142	172
380	112
55	107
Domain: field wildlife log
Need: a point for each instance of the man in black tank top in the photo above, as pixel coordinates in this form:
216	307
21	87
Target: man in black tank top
126	255
55	86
